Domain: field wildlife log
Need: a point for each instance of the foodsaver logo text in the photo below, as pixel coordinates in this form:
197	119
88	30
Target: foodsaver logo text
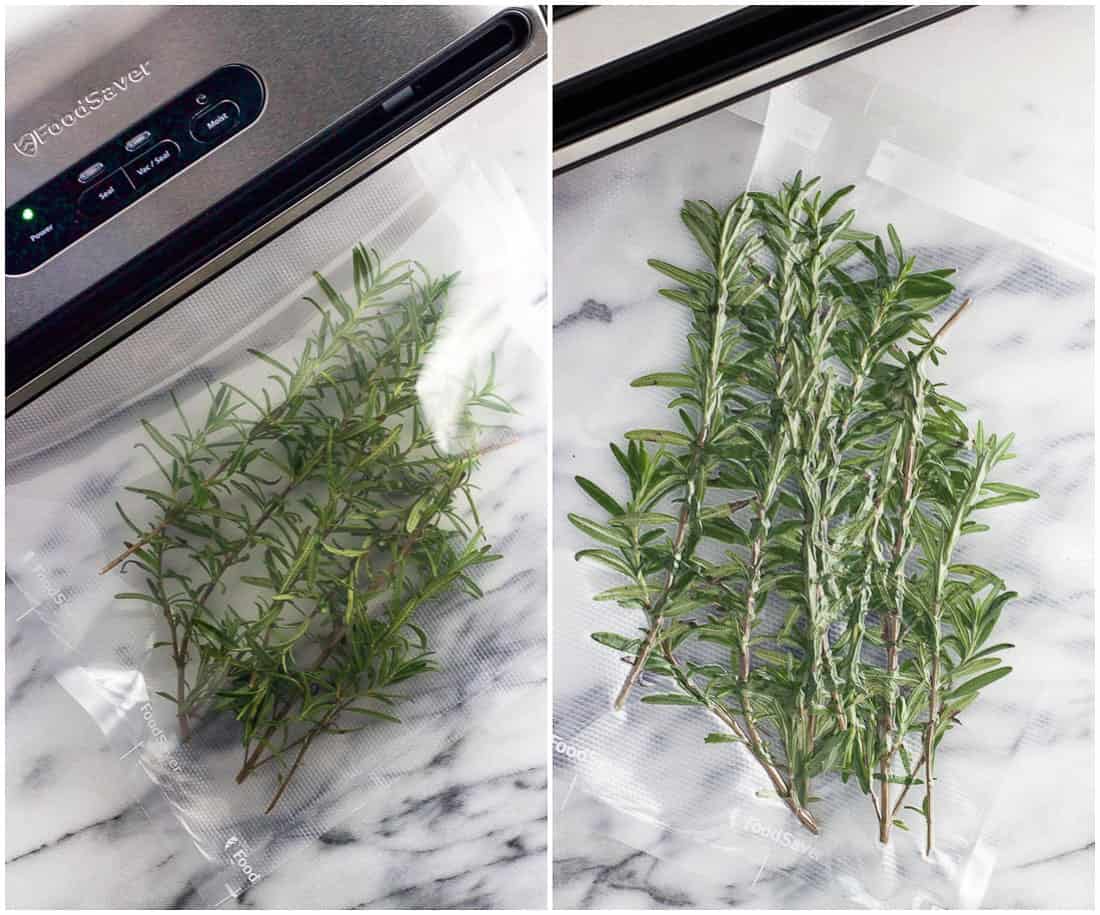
776	834
33	140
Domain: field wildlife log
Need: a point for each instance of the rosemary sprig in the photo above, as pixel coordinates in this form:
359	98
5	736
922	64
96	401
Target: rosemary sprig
727	251
304	384
806	400
332	504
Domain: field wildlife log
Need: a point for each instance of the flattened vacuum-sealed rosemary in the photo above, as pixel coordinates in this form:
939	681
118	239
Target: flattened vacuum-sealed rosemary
296	535
818	474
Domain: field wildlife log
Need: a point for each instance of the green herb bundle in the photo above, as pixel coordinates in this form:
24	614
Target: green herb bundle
329	509
803	587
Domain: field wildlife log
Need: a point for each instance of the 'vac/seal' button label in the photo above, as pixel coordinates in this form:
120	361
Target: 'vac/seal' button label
156	165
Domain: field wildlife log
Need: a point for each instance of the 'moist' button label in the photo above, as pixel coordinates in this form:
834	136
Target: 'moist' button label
215	122
157	164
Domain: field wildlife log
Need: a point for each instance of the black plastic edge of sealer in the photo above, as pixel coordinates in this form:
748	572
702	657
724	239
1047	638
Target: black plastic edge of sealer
572	97
99	307
594	101
686	63
562	11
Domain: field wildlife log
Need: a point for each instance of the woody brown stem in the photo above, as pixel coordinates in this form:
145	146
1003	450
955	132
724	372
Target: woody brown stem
182	720
751	737
286	780
284	784
639	663
951	319
134	547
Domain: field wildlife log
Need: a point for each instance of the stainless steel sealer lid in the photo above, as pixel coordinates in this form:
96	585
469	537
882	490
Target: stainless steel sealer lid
160	145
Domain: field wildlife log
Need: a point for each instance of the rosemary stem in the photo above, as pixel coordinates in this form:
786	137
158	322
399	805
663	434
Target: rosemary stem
754	737
695	489
179	656
182	718
929	741
640	660
172	513
262	424
891	625
764	505
755	572
751	733
134	547
247	539
286	779
891	622
751	737
830	668
951	319
252	758
908	785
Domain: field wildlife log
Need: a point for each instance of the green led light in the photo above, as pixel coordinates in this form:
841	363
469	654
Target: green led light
28	214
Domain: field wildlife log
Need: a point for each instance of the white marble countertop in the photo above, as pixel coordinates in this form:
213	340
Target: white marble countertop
462	827
990	114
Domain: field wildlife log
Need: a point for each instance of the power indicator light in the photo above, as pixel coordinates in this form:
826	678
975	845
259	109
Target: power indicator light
27	214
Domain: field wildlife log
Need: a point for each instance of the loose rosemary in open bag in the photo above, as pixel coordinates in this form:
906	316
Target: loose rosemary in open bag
329	509
817	474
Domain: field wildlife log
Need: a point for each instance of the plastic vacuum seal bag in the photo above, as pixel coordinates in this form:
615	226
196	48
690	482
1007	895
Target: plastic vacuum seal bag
314	473
973	179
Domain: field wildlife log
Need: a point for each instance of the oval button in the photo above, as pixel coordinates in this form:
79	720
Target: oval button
215	122
138	140
92	171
